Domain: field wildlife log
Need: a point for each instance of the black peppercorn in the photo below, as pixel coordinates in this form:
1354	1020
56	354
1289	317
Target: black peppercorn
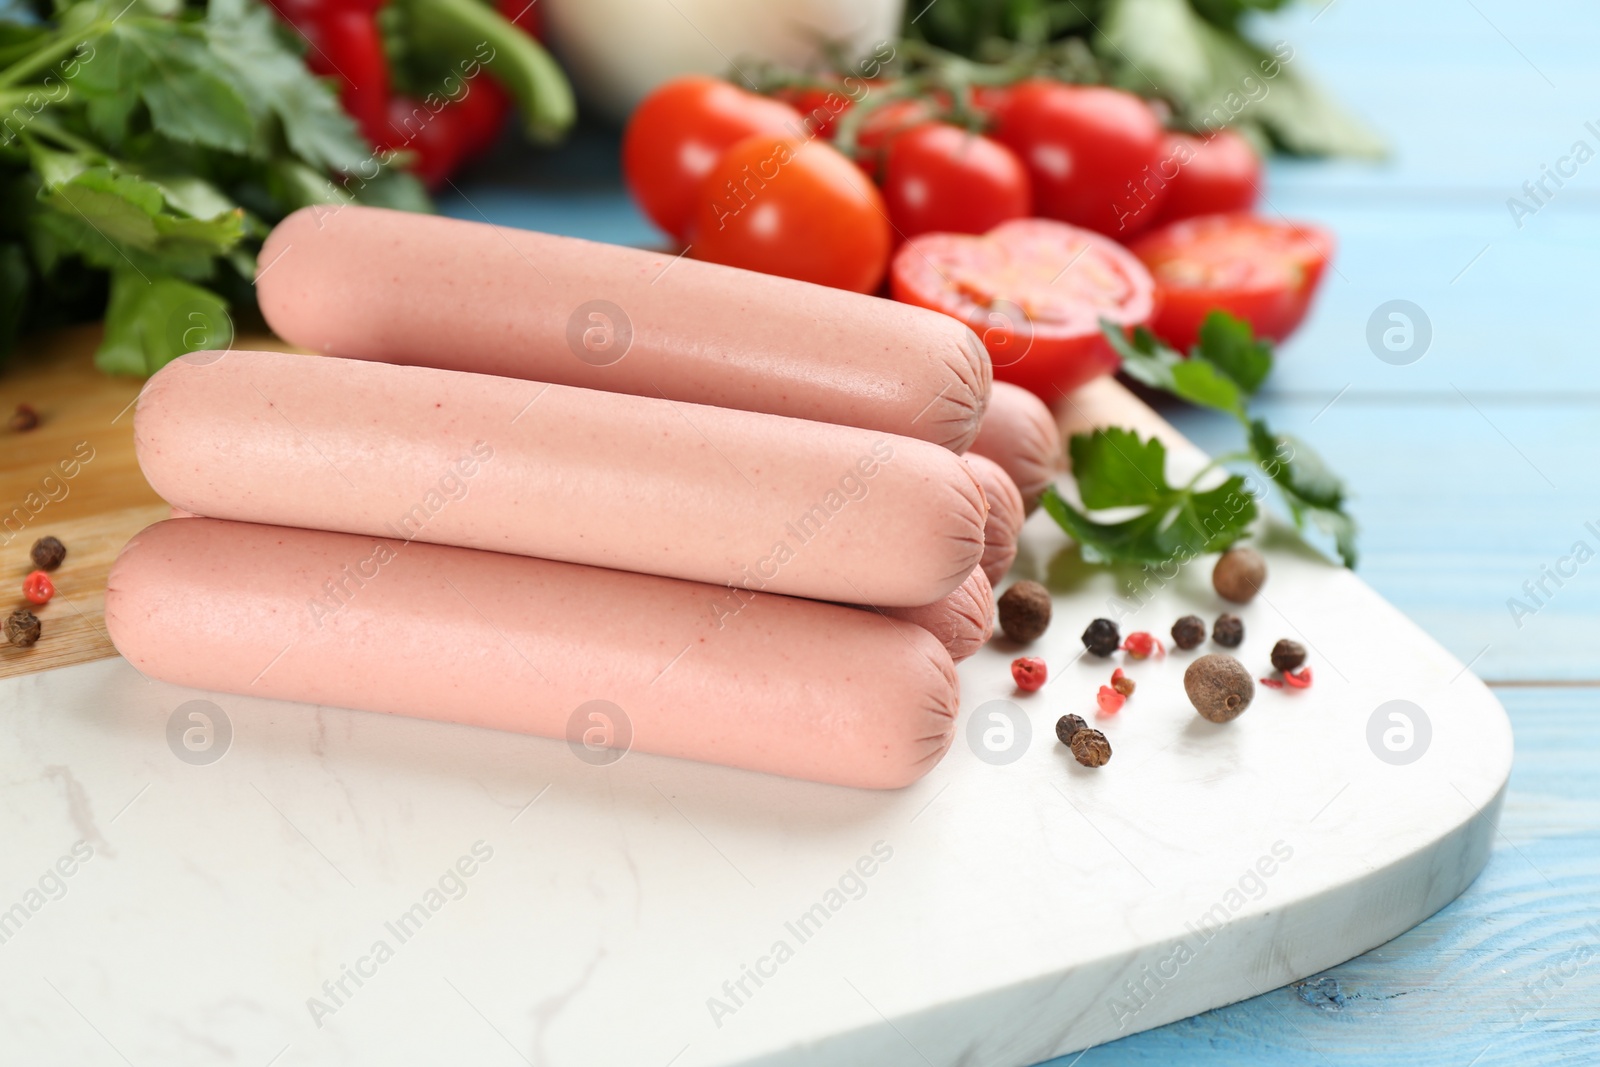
1287	655
1090	748
1189	631
1239	574
22	628
1219	687
1228	631
1102	637
1068	725
48	552
1024	611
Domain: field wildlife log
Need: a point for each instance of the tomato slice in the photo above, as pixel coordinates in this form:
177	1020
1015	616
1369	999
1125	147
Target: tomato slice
1035	291
1265	271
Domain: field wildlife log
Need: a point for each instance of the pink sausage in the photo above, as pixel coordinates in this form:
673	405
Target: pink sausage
1006	515
1020	434
767	683
367	283
962	621
606	479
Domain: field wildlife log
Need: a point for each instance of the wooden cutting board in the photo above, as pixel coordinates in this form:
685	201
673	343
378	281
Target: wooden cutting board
73	476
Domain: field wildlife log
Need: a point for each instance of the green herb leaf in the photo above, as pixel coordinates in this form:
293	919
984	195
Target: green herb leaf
1229	345
1312	491
1198	381
151	323
16	283
243	36
1115	468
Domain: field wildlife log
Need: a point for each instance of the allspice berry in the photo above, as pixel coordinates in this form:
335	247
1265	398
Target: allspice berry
1090	748
1228	631
1239	574
22	628
1189	632
1288	655
48	552
1024	611
1102	637
1219	687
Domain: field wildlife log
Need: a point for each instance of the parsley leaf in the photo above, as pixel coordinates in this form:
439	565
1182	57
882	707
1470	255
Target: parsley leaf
1115	468
1196	379
1311	490
1228	344
149	323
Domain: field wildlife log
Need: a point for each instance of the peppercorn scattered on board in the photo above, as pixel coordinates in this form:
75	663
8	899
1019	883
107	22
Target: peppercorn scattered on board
320	881
73	476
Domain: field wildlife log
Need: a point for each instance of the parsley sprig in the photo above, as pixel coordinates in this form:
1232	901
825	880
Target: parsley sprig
1119	471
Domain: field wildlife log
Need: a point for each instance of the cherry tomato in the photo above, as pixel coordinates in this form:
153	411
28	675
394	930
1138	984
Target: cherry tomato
1093	153
990	99
820	106
38	588
1208	175
795	207
1035	291
941	177
884	123
678	133
437	139
1263	270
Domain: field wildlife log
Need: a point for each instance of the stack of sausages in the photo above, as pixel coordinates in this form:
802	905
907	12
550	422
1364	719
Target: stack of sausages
585	492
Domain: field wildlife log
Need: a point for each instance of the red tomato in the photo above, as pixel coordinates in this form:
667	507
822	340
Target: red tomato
1262	270
795	207
941	177
1035	291
886	122
676	135
1208	175
1093	153
820	106
437	139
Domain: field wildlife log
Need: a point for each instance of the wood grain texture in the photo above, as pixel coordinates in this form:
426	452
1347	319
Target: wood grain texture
75	477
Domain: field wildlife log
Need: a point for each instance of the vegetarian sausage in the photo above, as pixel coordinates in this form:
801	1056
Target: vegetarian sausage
368	283
1006	515
635	483
1020	434
768	683
962	621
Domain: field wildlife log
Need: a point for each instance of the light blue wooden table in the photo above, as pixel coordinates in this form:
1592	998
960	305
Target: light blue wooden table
1473	468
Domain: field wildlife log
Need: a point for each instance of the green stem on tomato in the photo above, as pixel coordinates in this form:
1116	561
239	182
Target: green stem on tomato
465	28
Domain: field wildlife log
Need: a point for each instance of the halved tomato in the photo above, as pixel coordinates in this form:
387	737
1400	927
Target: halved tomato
1264	271
1035	291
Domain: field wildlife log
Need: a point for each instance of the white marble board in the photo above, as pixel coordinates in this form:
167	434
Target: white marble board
1010	911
